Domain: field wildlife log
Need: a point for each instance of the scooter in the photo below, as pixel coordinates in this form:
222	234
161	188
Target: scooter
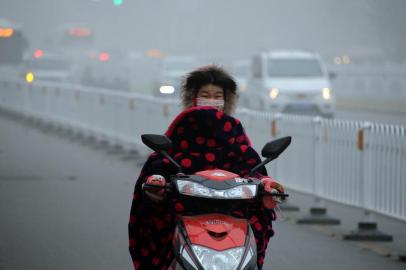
211	238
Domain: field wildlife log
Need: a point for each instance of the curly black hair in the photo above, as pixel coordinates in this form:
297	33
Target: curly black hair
211	74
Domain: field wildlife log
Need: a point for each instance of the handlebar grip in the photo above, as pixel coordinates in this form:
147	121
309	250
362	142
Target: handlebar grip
167	186
145	185
283	195
262	192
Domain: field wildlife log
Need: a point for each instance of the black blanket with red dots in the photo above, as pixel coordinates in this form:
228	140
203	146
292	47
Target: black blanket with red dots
203	138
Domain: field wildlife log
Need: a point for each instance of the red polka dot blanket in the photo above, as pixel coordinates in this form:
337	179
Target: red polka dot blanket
203	138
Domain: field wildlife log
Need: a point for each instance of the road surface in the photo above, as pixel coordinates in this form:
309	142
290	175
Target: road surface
64	204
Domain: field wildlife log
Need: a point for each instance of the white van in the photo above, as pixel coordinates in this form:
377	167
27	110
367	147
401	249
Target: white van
292	82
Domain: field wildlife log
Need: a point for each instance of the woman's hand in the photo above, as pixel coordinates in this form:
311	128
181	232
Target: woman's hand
271	186
157	193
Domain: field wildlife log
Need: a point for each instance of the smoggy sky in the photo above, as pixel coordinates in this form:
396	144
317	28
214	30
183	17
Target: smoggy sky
223	27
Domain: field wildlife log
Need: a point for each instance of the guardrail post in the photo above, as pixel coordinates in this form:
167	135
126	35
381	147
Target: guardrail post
368	227
275	132
318	212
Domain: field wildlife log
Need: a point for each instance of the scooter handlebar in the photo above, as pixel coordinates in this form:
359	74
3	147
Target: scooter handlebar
170	188
167	187
262	192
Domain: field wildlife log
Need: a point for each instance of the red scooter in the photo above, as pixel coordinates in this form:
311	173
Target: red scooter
211	238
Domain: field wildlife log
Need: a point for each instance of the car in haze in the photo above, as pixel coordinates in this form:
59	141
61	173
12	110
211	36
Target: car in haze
172	71
291	82
106	69
46	66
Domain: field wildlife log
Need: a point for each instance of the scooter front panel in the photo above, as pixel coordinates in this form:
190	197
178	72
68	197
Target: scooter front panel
216	231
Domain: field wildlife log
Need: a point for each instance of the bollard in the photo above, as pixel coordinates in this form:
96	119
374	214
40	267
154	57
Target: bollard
318	212
131	104
367	228
77	96
274	127
165	110
101	99
131	152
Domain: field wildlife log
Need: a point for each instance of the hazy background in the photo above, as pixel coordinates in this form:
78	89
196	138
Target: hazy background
363	28
66	187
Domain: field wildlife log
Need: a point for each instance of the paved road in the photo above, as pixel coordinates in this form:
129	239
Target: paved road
64	204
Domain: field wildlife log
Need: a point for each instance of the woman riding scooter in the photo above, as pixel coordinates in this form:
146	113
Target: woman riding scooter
204	137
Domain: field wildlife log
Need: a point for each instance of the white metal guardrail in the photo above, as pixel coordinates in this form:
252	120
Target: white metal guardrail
356	163
114	116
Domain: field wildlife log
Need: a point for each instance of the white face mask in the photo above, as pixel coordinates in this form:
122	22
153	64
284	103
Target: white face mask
216	103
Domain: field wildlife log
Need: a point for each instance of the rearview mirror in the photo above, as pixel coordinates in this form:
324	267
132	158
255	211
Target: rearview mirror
273	149
160	144
157	142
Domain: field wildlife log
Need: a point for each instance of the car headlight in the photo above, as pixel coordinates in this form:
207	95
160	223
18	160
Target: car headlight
29	77
218	260
167	89
273	93
194	189
326	92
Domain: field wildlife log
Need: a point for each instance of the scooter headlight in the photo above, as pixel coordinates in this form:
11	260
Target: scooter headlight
194	189
218	260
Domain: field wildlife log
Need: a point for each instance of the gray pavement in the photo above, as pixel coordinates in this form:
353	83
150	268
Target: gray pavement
64	204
